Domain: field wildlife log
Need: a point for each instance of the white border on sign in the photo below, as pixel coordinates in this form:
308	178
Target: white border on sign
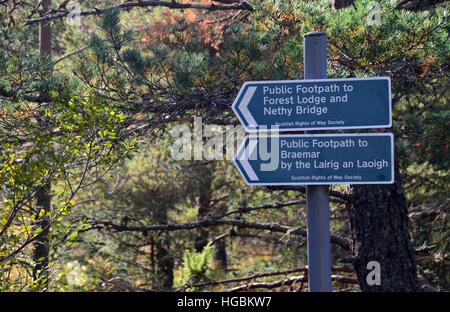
268	129
239	150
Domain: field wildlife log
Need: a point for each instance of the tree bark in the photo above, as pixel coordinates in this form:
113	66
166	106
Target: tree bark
205	178
41	246
340	4
379	225
204	175
164	264
201	239
45	33
164	259
220	255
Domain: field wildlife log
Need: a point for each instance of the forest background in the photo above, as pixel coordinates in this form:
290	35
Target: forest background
93	197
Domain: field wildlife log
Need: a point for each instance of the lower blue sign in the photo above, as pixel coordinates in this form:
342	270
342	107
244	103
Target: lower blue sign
317	159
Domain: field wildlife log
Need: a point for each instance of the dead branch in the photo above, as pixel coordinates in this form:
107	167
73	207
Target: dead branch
266	274
289	281
265	206
339	197
272	227
62	13
70	54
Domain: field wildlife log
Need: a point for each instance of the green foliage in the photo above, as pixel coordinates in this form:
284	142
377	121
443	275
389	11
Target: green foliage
196	266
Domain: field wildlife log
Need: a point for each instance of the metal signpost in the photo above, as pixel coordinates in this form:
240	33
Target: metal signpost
317	197
316	159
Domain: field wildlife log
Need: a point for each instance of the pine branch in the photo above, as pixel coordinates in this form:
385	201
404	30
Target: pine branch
69	55
62	13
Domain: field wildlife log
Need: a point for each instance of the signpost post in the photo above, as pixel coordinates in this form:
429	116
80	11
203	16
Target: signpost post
317	197
316	159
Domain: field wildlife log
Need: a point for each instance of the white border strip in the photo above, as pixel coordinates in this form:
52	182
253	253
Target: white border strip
245	157
244	106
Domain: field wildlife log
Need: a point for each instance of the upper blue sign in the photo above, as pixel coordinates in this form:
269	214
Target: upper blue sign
323	104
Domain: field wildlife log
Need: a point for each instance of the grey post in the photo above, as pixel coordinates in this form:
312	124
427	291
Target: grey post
317	197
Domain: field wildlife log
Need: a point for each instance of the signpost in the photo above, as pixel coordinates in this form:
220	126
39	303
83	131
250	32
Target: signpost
317	159
317	196
317	104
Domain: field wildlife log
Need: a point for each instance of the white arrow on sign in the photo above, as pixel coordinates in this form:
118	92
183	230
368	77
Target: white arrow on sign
244	107
244	157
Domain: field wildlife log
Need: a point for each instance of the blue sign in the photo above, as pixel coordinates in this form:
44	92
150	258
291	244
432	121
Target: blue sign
324	104
317	159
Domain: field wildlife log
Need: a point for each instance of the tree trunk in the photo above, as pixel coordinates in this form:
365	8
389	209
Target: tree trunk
204	175
164	263
45	33
41	246
220	255
379	224
164	259
201	239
